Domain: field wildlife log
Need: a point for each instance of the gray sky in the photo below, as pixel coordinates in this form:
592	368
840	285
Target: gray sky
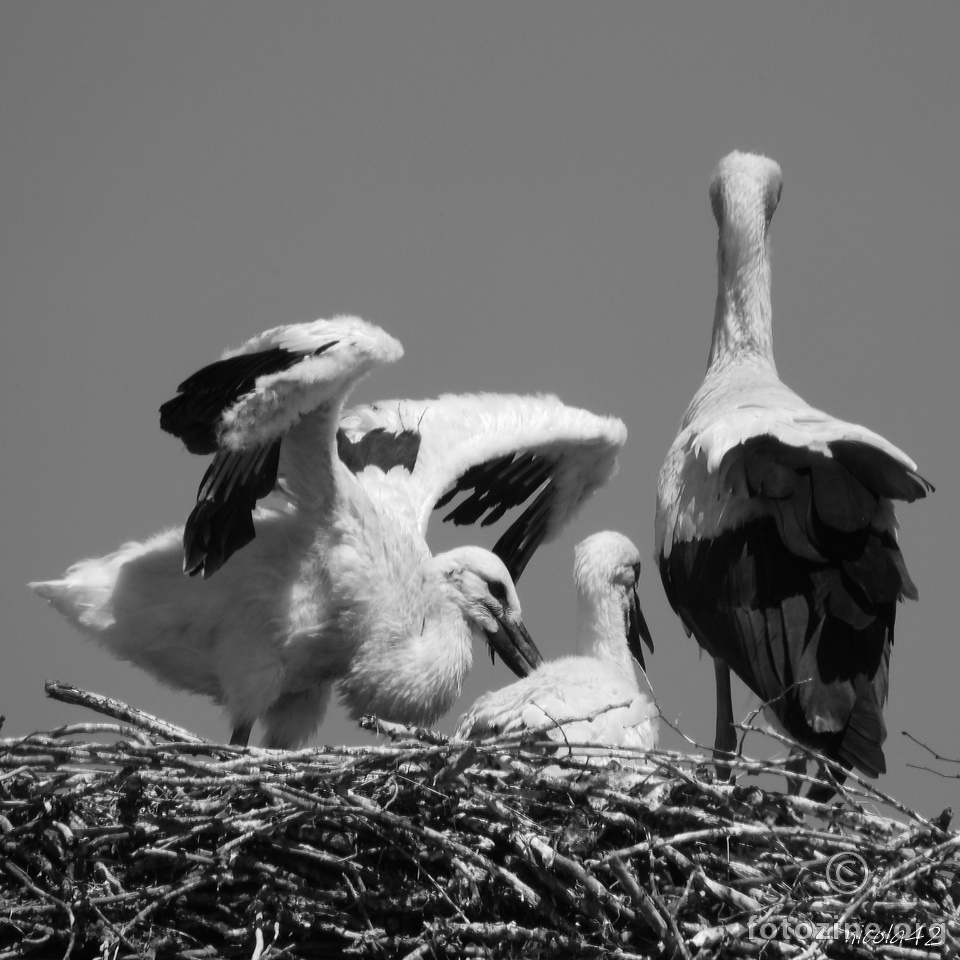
518	192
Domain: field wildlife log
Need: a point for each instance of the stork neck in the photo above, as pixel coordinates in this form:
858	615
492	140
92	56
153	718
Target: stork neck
601	629
442	655
742	324
309	462
410	668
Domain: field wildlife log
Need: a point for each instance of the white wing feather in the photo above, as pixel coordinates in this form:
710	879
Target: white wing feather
460	432
566	691
350	347
722	417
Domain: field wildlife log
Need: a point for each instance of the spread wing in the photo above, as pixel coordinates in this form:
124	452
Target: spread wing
493	451
242	408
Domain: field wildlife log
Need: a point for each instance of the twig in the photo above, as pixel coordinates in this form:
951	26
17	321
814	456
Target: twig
933	753
67	693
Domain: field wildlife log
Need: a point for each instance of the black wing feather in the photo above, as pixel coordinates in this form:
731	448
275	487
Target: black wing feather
499	485
526	533
193	415
783	624
222	520
379	448
880	472
801	603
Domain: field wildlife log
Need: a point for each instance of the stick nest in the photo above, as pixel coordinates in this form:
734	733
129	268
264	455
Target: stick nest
166	846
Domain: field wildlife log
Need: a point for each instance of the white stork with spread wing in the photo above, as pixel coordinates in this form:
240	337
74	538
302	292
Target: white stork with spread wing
776	534
333	582
570	696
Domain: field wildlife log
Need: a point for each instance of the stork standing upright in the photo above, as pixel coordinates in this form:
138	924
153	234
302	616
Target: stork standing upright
776	534
573	693
333	582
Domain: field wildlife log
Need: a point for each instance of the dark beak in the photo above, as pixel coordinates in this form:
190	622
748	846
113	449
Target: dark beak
637	628
516	648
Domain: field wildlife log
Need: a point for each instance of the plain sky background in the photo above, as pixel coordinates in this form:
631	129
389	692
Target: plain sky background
518	192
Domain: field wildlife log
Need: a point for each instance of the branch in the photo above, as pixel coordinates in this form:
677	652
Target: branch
933	753
67	693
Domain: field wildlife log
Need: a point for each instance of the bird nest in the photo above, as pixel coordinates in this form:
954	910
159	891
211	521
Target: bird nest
156	844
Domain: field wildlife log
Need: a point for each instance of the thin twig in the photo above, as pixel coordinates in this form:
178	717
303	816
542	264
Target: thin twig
67	693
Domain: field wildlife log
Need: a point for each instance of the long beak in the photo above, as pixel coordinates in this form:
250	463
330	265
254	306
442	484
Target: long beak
515	646
636	629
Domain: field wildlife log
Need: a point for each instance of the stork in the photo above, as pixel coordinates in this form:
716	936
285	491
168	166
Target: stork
775	529
330	581
564	692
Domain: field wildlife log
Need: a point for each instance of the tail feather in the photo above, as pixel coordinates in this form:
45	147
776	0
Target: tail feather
861	745
137	603
82	597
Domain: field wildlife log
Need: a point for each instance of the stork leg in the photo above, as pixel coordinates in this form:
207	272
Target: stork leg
796	764
726	739
823	794
819	793
240	736
294	717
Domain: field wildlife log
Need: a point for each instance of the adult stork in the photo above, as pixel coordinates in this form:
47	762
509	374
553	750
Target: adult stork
574	692
333	581
776	534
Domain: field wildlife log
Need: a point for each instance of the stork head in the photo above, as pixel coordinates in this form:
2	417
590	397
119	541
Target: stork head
484	591
745	188
605	563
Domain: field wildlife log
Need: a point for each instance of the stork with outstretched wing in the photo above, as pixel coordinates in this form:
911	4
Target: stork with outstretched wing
330	581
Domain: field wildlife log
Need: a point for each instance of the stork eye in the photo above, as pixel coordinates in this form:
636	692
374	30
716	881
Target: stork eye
498	591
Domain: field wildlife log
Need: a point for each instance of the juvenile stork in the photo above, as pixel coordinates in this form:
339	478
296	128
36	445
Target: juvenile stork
776	534
332	582
600	674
